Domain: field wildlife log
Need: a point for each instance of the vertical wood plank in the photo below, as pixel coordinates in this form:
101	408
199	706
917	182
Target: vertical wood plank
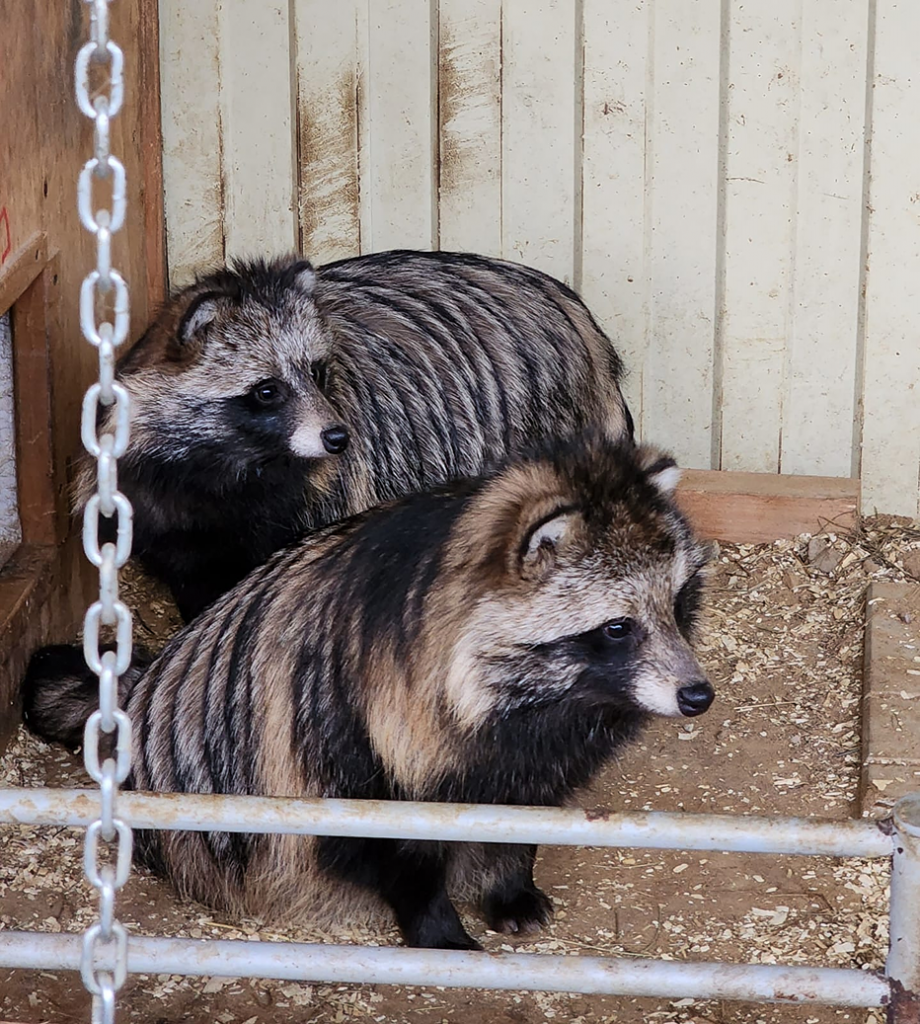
10	528
682	146
43	511
540	139
891	397
190	106
820	381
614	236
398	136
257	127
327	105
760	185
470	130
151	142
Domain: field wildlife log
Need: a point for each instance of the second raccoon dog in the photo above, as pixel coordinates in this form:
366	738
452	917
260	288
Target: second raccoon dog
491	642
272	399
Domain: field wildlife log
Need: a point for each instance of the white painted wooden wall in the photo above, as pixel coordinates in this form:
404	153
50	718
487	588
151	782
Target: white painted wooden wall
733	187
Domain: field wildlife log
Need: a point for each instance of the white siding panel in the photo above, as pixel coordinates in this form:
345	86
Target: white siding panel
698	169
540	134
257	126
398	151
760	186
891	409
820	374
614	265
682	152
470	120
327	103
190	104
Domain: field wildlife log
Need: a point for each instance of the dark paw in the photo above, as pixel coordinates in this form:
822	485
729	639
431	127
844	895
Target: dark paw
468	942
429	939
439	931
526	911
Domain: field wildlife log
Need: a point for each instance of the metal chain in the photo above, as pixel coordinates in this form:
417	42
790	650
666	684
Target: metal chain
107	939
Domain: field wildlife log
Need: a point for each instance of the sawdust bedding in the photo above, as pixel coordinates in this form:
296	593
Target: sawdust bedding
782	638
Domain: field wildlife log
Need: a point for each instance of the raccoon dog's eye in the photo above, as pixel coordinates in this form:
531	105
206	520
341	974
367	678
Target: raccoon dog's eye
318	372
268	394
618	630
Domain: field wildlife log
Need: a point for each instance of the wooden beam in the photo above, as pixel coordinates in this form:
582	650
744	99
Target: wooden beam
891	698
151	150
22	268
43	511
754	508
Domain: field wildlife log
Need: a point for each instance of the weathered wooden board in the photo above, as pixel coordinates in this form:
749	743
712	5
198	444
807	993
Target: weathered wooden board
257	147
541	134
470	120
327	127
891	697
398	112
754	508
44	255
891	347
192	166
764	55
681	139
819	405
615	221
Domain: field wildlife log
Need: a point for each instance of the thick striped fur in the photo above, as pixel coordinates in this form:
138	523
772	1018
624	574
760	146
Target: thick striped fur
492	641
425	368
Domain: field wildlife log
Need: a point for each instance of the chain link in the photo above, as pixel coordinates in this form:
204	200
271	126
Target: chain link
106	407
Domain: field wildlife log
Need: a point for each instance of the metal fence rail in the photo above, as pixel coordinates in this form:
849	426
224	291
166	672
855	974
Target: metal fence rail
383	819
454	969
899	838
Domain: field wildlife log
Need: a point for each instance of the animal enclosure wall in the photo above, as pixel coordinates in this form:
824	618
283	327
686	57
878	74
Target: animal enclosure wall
44	255
734	188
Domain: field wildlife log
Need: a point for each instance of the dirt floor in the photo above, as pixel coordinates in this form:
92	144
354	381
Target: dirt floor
783	642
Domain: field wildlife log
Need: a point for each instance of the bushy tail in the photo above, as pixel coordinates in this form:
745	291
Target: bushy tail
60	692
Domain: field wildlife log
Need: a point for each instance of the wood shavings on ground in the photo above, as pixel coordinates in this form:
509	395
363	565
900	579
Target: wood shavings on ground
782	639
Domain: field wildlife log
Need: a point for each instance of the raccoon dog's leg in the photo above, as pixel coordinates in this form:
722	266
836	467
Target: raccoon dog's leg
411	877
511	901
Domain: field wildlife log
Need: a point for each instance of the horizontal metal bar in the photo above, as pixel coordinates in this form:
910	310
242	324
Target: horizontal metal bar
532	972
459	822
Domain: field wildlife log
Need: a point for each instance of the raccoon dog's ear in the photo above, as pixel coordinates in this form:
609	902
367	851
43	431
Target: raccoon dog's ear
303	277
202	311
544	539
660	469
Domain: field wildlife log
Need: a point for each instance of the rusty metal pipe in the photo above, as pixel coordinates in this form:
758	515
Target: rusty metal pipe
450	968
459	822
903	966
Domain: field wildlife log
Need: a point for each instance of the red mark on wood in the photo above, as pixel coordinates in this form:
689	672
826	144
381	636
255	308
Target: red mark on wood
6	237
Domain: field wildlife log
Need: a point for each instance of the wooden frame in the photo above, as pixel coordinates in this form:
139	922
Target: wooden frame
44	254
29	604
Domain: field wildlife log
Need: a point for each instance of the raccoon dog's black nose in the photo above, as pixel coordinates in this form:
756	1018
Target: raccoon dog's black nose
335	439
695	698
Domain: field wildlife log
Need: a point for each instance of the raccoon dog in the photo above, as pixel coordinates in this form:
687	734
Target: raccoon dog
493	641
272	399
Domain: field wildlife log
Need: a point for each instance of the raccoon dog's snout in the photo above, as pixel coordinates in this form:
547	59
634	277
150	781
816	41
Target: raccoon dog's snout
335	439
695	698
